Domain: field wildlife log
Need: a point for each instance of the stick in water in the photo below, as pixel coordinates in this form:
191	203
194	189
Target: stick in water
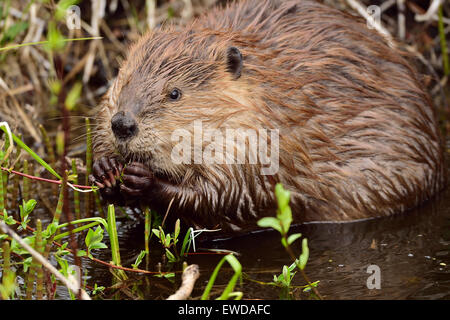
190	275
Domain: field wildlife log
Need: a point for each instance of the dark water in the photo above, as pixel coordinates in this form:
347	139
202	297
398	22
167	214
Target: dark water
412	251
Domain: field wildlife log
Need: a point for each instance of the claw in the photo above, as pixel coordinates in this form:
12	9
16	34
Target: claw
105	171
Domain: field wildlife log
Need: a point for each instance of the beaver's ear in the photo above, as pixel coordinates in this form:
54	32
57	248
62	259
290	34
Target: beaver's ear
234	62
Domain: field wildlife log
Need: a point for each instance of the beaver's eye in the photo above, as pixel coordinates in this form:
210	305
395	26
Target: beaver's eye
175	94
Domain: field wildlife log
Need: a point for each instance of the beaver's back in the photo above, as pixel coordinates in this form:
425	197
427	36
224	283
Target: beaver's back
359	136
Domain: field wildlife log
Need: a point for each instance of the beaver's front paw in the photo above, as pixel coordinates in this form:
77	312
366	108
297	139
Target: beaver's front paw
137	180
106	173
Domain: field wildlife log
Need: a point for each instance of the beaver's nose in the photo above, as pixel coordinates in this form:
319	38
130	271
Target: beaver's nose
123	125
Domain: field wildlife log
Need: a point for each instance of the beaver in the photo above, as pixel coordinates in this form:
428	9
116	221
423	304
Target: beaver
357	133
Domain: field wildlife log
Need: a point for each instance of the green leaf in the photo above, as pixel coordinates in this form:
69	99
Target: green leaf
270	222
24	223
139	259
97	289
177	229
313	285
282	196
25	210
55	38
170	256
10	221
81	253
98	245
162	236
21	212
55	86
285	218
32	154
305	254
167	241
62	252
286	273
29	206
186	243
293	237
73	96
169	275
156	232
51	229
27	263
88	238
64	265
13	31
94	238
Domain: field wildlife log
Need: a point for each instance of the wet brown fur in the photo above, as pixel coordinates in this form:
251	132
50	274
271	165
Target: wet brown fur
358	135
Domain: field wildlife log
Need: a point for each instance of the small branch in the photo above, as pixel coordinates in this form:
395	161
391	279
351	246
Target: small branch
151	13
190	275
43	179
401	19
431	12
377	26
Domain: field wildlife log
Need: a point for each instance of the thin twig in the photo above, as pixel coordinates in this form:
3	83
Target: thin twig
376	25
431	12
43	179
401	19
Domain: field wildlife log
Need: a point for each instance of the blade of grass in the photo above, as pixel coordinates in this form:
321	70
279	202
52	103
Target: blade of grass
65	234
441	27
231	259
112	231
76	194
87	198
114	240
237	267
7	285
33	154
39	271
148	224
26	182
186	243
48	145
2	194
20	45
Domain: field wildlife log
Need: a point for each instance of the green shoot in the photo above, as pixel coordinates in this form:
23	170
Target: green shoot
228	291
282	223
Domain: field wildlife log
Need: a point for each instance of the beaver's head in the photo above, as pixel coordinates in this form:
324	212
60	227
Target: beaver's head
168	81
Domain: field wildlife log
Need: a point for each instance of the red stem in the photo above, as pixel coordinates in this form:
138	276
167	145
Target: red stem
41	179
